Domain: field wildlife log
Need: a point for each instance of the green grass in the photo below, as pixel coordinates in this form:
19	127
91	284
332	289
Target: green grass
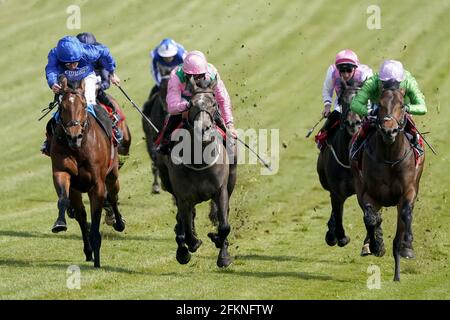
272	56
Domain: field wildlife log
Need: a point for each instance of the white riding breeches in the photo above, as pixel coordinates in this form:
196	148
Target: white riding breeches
90	87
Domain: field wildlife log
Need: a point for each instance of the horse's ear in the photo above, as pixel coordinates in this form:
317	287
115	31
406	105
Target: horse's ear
192	83
63	83
402	91
82	86
213	84
344	83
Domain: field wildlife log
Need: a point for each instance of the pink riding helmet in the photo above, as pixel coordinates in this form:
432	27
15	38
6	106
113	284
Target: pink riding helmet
347	56
392	70
195	63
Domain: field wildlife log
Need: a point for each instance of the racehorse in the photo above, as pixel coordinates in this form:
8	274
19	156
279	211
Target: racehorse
389	176
333	167
191	182
83	160
155	108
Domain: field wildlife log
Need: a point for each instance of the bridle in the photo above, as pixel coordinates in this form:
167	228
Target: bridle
73	123
400	123
201	108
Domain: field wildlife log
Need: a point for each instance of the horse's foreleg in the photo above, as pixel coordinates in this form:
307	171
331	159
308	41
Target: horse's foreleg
113	187
96	197
183	256
61	181
372	221
398	243
335	224
187	216
220	239
405	212
156	189
80	215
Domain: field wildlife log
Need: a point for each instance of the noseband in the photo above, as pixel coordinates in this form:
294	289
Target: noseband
74	123
202	109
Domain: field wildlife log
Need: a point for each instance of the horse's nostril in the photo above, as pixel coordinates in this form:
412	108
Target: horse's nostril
80	136
394	131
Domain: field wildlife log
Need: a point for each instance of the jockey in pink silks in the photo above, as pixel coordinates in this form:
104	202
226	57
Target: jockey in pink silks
195	65
346	68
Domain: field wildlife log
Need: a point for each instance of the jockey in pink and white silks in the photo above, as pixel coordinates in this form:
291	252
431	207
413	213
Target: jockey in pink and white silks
195	65
346	68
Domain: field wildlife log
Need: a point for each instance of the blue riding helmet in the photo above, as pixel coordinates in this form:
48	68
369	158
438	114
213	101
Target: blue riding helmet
69	50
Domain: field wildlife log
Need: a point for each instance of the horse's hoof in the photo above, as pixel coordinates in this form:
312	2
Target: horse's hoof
223	262
344	241
89	257
330	239
365	251
110	219
156	189
183	255
407	253
377	251
119	226
59	226
195	246
71	213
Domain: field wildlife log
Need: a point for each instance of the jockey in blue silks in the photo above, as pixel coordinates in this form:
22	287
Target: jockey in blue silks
77	61
165	57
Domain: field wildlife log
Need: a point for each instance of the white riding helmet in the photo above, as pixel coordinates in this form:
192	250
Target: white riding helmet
167	48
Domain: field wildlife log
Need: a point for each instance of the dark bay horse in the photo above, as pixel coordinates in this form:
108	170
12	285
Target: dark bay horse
155	108
389	177
333	167
191	182
83	160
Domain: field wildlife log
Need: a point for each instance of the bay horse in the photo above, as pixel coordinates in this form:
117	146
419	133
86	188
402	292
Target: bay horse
389	176
333	167
155	108
192	183
83	160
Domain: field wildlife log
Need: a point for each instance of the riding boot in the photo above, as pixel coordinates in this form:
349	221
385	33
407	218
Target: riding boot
331	120
172	123
102	97
360	138
45	148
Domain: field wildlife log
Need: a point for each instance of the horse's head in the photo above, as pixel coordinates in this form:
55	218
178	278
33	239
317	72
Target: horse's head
350	120
165	76
73	113
391	117
203	107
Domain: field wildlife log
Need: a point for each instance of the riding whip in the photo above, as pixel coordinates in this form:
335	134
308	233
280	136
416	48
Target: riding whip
50	107
429	145
312	129
137	108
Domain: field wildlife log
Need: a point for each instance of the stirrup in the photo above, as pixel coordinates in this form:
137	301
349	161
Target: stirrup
118	136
